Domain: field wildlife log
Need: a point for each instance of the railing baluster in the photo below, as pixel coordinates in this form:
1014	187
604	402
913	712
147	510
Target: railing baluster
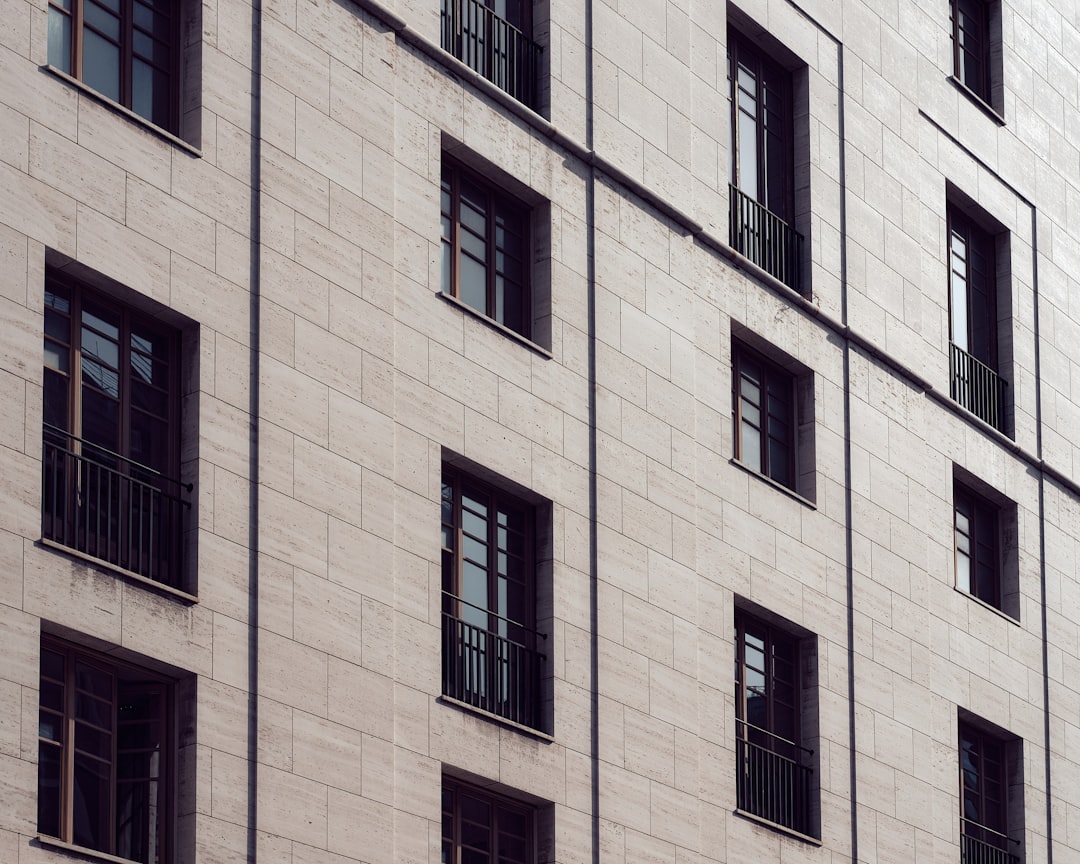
764	238
976	387
770	784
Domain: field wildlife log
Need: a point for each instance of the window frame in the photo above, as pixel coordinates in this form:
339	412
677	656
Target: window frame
978	513
770	371
779	201
510	652
499	804
775	771
496	201
978	243
73	63
991	824
978	12
138	679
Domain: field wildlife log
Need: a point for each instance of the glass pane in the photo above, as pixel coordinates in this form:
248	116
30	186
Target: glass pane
93	680
750	452
150	90
101	65
90	803
473	286
103	349
60	40
104	21
100	420
55	398
48	792
447	260
92	710
104	378
93	741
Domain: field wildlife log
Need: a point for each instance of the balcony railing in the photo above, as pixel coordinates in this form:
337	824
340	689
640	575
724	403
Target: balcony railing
982	845
977	387
764	238
111	508
492	47
770	784
489	671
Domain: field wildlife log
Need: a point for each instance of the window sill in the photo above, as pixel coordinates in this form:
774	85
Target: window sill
763	275
980	103
117	108
80	851
130	575
791	493
502	721
1001	613
777	827
491	322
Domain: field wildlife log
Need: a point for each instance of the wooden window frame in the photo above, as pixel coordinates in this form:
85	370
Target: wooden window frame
774	639
983	520
452	839
770	373
985	772
138	678
976	241
78	294
978	13
497	204
779	201
72	64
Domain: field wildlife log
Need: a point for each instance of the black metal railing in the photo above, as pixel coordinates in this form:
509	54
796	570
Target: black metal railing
764	238
111	508
982	845
492	47
773	781
490	671
977	387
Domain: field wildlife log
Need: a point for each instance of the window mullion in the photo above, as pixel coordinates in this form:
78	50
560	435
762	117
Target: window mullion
491	254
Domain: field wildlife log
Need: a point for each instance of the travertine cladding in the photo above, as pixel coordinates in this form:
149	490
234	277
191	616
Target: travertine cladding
365	379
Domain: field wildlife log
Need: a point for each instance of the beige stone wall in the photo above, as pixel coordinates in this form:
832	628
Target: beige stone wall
366	379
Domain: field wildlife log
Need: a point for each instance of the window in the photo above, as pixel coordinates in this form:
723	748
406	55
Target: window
479	827
106	754
761	162
485	248
765	416
774	774
126	50
990	799
111	434
973	320
976	37
490	656
978	563
494	39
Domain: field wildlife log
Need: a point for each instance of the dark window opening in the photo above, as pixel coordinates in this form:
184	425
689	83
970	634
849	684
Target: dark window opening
976	40
978	560
774	778
106	754
976	382
491	656
765	416
761	168
985	791
126	50
111	443
486	240
479	827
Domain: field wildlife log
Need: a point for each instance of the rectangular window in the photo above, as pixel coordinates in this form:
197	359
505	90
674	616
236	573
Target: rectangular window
490	653
976	38
106	754
126	50
973	320
774	773
495	39
111	443
486	238
765	416
978	561
479	827
761	164
986	796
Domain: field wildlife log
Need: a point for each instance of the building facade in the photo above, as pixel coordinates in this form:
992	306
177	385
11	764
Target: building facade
535	431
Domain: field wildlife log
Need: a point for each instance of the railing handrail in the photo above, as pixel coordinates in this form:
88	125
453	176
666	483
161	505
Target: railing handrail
48	426
773	735
761	206
965	821
527	629
979	363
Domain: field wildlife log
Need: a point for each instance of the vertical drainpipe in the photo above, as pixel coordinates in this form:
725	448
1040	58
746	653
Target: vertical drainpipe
1042	530
254	309
590	278
848	531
